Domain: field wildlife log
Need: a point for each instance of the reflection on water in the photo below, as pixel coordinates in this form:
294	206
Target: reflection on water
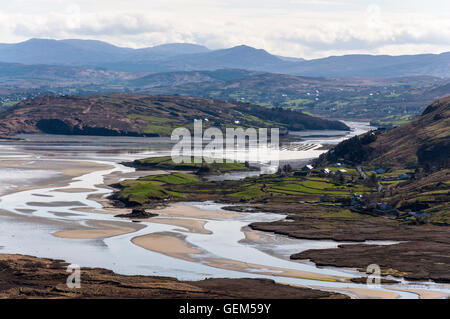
332	136
117	148
15	177
232	176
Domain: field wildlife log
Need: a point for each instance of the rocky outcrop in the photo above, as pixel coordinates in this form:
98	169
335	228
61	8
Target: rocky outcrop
137	213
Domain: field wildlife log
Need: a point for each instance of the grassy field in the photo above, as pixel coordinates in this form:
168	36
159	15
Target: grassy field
252	189
10	103
157	125
431	198
153	188
189	163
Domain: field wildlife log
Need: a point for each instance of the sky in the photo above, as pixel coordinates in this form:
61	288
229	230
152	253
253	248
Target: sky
296	28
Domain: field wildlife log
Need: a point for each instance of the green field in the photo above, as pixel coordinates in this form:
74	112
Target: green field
153	187
189	163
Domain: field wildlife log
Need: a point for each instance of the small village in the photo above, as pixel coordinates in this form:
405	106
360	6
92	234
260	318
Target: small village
378	181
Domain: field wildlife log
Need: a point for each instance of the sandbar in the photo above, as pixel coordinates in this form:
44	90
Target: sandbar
99	229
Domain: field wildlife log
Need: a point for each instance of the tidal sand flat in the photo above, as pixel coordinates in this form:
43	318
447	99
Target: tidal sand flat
99	229
74	221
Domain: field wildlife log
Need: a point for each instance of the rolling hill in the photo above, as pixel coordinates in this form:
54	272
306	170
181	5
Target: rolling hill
392	100
382	66
144	115
39	75
386	100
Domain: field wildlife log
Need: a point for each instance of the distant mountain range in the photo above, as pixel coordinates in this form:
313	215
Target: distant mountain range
190	57
87	52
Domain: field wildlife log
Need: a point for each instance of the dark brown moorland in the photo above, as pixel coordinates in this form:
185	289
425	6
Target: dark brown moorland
30	277
123	114
422	254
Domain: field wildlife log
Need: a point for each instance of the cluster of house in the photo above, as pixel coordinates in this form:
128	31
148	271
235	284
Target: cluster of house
341	170
327	171
362	203
416	214
403	176
355	201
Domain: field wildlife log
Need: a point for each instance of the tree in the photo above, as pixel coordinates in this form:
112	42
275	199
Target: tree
287	168
372	180
341	179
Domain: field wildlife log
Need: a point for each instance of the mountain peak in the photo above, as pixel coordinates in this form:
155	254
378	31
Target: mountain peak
180	45
246	48
179	48
243	46
39	40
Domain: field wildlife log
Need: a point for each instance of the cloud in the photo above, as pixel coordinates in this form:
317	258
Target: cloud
304	32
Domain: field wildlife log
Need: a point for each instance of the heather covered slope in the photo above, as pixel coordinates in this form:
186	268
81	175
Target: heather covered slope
143	115
38	76
423	142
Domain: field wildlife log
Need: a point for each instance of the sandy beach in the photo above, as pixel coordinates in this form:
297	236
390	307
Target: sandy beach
188	211
175	246
99	229
365	293
168	244
192	225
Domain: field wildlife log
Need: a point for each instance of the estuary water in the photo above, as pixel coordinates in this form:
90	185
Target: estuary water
53	193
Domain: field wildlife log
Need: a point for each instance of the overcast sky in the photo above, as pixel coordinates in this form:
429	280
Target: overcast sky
300	28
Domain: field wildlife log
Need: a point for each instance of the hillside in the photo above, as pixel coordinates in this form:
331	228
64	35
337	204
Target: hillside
386	100
409	165
241	56
37	76
423	142
144	115
366	65
171	80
